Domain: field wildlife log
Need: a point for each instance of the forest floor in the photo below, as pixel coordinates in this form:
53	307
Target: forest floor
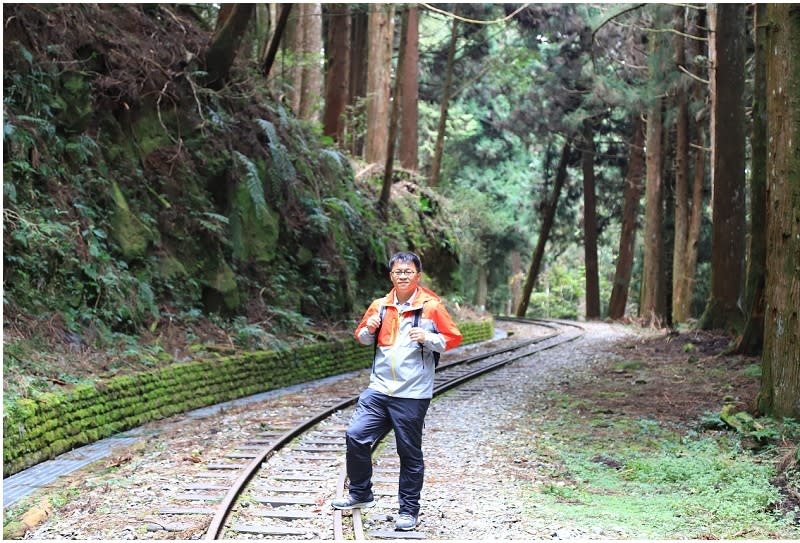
640	420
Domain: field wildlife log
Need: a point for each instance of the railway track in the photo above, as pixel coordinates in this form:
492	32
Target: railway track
277	482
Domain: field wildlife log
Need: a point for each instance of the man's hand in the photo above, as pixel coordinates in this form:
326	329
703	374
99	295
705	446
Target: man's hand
372	323
417	334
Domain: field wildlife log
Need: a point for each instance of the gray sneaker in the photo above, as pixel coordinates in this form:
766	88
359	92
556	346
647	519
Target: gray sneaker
406	522
349	503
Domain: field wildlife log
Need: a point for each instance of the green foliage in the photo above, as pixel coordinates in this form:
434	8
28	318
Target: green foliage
252	180
666	485
559	292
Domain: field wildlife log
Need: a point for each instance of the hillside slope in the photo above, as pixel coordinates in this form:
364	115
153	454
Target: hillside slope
148	219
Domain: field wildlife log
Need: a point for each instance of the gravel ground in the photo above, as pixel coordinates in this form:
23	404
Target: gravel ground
478	476
478	472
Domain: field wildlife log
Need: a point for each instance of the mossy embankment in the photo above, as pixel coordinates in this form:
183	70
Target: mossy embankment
151	222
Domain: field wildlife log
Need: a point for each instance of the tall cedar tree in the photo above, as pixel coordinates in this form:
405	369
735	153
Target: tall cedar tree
780	379
357	87
304	41
752	339
436	162
311	74
697	48
548	218
388	170
652	307
232	20
379	74
728	32
630	216
409	94
681	193
277	34
337	81
590	223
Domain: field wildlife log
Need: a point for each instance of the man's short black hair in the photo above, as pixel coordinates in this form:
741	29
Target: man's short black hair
405	256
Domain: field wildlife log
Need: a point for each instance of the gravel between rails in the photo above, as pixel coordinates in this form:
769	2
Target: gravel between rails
476	467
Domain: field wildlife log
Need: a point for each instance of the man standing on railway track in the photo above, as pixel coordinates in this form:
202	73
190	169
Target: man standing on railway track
409	327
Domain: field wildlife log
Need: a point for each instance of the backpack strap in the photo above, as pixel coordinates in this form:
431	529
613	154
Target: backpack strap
381	314
436	355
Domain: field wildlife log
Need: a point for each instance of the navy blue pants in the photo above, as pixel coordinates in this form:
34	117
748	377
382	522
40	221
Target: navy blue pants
375	415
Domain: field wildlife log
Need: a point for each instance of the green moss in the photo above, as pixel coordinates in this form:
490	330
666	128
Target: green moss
149	130
73	103
35	430
224	292
131	235
255	230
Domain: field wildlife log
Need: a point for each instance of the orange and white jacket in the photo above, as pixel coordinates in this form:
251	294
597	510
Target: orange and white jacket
402	367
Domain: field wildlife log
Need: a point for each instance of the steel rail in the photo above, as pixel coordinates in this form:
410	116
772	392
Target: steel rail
225	507
357	518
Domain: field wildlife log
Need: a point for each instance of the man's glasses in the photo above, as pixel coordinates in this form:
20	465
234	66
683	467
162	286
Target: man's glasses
403	273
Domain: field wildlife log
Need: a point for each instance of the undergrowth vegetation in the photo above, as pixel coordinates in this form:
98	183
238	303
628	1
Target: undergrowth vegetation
611	468
148	219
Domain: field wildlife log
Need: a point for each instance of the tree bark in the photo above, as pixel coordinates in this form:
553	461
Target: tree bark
752	339
699	90
483	287
292	58
264	30
379	71
436	162
544	232
409	94
355	126
780	379
515	283
724	307
630	213
651	307
310	73
337	72
388	170
590	224
681	193
277	35
221	53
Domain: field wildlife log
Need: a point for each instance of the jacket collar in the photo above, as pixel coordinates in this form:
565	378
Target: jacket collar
420	297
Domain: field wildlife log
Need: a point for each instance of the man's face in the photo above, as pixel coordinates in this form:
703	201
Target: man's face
404	277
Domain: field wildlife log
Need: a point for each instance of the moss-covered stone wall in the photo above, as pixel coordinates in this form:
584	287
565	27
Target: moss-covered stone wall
35	430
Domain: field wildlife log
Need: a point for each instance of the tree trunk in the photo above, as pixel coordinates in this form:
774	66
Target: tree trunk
337	72
483	287
409	94
379	73
590	225
436	162
630	213
544	232
231	24
780	379
728	31
311	73
292	58
388	170
697	50
358	79
515	282
264	30
651	307
681	193
277	35
752	339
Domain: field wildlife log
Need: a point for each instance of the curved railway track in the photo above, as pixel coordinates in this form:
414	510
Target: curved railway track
277	484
